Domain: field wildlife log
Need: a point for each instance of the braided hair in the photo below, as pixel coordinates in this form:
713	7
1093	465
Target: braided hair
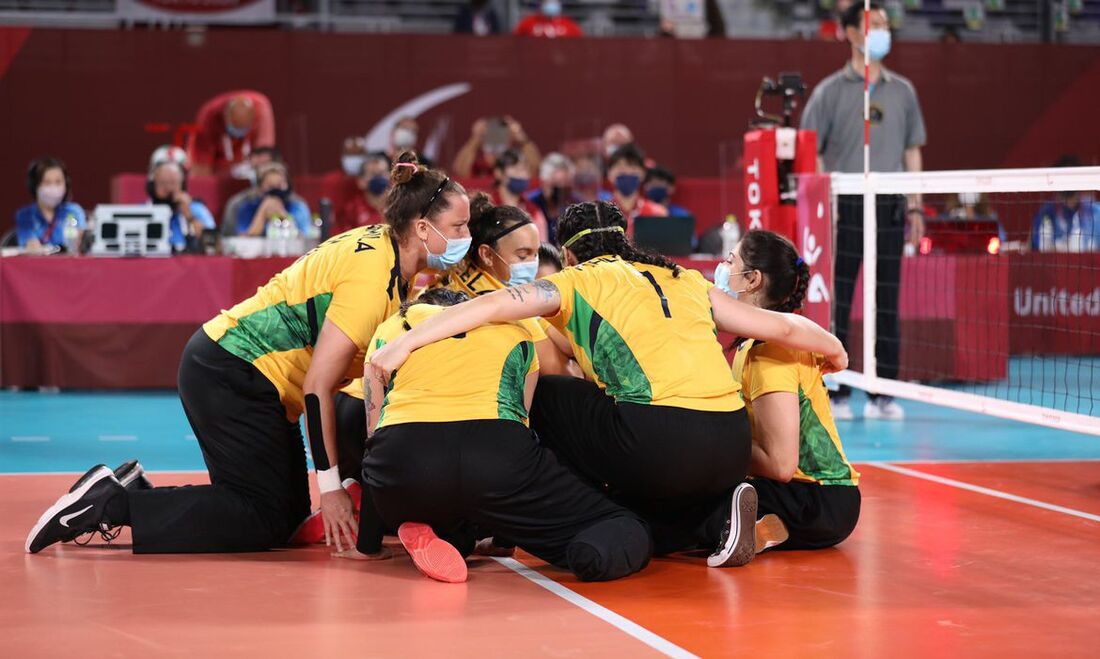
602	215
786	275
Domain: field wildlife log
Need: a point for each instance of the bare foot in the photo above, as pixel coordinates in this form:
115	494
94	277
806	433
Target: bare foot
355	555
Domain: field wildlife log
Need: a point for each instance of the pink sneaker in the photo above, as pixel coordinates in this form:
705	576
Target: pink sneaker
435	557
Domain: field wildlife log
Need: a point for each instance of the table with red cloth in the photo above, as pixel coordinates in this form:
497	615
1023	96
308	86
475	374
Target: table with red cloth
122	323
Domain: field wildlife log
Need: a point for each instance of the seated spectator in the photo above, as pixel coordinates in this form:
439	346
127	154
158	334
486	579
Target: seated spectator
489	138
478	18
366	208
587	176
512	178
257	159
830	27
405	136
353	156
274	200
615	136
625	172
168	152
230	126
969	206
1070	224
660	187
168	186
549	23
42	223
555	191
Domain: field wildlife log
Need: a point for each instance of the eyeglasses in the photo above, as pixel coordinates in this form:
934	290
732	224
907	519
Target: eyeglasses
435	195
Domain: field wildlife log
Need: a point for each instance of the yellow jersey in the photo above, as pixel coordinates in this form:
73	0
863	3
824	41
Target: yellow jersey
765	368
473	376
352	280
645	336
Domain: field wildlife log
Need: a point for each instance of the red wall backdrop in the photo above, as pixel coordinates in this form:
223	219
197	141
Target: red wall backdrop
85	95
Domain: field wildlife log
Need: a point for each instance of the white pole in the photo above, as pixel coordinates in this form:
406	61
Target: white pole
870	223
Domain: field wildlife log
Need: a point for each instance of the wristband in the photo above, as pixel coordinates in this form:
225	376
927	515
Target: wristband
328	480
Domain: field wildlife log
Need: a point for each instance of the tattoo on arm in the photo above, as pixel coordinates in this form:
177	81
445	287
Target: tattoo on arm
516	293
368	406
546	291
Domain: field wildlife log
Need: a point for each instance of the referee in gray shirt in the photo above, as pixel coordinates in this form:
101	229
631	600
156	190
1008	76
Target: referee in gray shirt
835	111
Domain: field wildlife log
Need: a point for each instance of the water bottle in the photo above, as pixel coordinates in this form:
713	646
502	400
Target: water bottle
731	234
72	235
1046	235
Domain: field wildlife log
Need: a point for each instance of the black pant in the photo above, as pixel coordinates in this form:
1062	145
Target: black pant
673	466
259	491
816	516
492	475
351	435
890	213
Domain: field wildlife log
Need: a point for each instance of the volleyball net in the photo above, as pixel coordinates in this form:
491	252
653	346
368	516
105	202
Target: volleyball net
993	308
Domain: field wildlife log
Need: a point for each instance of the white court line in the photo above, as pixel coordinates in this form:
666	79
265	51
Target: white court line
29	438
607	615
118	438
984	490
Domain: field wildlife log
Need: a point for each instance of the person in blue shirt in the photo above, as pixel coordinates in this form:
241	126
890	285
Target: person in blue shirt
43	222
274	201
189	216
1072	223
555	191
660	186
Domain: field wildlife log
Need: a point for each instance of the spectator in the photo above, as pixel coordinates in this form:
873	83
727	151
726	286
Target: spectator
969	206
586	177
43	222
230	126
168	152
625	171
405	136
835	111
167	185
548	22
555	192
615	136
274	200
354	155
512	178
257	159
489	138
1071	223
660	187
830	28
366	207
477	17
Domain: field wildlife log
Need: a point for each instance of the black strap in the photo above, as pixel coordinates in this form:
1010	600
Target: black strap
505	232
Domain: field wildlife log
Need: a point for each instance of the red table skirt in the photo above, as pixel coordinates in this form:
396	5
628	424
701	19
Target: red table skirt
122	323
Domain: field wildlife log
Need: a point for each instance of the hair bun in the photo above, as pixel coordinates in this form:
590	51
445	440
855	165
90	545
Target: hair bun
406	167
480	207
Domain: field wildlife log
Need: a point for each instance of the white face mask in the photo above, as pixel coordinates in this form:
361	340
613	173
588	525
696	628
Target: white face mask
51	195
403	138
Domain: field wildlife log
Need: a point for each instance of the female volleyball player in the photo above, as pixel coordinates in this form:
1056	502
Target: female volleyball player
807	490
249	373
452	451
662	424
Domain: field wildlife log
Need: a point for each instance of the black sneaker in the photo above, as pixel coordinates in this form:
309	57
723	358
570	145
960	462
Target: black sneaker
738	544
78	512
130	474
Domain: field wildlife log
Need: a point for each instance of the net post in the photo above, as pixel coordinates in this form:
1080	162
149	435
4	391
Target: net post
870	280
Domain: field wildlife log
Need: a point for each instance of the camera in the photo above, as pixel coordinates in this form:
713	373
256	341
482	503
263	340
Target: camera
789	87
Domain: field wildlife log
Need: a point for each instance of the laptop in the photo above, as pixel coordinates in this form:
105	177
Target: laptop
670	236
977	236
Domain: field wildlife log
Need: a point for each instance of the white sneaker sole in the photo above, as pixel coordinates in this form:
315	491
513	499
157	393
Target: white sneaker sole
64	502
740	546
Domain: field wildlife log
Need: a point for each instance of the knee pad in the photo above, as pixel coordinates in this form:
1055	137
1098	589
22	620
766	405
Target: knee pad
610	549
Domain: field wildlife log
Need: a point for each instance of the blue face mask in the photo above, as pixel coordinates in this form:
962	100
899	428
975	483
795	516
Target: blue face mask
551	9
517	186
722	279
352	165
452	254
377	185
235	132
657	193
523	273
878	44
627	184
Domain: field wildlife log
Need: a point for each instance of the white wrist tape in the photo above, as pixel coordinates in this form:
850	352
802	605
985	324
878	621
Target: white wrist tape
328	480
